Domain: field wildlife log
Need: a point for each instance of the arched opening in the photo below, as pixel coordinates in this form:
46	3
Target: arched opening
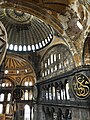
26	112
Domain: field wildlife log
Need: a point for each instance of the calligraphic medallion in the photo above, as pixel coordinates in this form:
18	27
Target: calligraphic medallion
80	86
17	93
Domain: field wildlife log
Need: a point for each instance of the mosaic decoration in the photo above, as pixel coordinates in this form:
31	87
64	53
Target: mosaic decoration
3	42
18	16
81	86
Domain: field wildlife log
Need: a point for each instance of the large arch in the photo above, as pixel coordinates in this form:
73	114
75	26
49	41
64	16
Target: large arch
57	60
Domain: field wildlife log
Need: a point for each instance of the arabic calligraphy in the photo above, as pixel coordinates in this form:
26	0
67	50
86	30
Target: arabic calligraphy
81	86
17	93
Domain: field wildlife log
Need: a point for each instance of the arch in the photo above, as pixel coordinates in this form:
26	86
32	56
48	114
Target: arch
53	114
8	80
31	80
66	113
61	62
59	114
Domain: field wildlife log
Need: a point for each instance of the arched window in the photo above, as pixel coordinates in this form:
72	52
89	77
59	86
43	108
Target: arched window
55	69
48	61
51	58
26	95
46	92
9	97
58	94
26	83
7	109
30	83
32	113
30	95
53	93
62	93
67	91
54	57
3	84
2	97
45	65
50	94
7	84
1	108
27	112
52	70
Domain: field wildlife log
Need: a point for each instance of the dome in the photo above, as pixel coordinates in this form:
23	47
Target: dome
25	32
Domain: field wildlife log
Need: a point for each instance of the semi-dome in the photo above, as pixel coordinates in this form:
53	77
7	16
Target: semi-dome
25	32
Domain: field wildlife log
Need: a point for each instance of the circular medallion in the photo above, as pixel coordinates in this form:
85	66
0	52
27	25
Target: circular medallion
3	42
81	86
17	93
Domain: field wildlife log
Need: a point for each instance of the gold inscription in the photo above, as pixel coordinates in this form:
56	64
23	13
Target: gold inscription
81	86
